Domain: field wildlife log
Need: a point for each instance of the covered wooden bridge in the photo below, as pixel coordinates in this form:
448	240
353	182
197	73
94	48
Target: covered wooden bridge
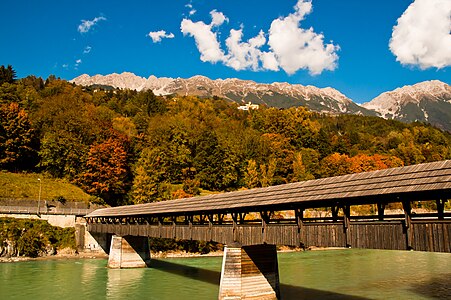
246	218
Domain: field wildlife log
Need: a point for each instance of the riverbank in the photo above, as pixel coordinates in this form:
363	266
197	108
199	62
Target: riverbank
62	255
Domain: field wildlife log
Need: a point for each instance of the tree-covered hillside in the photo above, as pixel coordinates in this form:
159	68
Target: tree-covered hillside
134	147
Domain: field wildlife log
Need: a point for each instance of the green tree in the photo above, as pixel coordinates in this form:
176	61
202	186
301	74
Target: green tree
7	75
215	169
63	154
149	182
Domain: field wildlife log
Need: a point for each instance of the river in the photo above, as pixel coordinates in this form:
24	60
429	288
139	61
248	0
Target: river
329	274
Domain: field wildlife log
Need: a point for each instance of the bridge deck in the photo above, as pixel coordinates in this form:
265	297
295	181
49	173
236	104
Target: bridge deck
429	181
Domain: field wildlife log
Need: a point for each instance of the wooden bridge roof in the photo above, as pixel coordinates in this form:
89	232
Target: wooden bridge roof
427	181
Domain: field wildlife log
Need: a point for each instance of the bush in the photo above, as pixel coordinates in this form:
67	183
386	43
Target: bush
203	247
34	237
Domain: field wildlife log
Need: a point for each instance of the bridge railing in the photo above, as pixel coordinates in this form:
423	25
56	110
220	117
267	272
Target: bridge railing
44	210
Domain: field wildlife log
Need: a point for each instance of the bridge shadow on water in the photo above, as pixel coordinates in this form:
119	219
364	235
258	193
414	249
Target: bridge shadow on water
288	292
438	287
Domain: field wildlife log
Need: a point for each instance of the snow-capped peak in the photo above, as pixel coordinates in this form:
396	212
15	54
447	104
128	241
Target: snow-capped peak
428	101
279	94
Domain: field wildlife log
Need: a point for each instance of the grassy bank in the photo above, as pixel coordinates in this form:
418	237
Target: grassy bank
26	187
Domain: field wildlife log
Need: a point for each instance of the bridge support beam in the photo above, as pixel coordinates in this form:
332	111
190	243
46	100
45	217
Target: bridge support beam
129	252
249	272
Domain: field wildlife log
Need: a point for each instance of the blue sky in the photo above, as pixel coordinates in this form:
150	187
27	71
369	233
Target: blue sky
343	44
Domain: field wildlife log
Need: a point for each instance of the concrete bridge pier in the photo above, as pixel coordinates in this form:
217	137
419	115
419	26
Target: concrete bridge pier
249	272
129	252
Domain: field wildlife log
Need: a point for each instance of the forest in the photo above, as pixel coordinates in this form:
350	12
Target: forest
128	147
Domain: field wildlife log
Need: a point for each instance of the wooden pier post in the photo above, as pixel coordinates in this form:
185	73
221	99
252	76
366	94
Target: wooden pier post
129	252
408	223
249	272
347	224
299	214
441	208
380	210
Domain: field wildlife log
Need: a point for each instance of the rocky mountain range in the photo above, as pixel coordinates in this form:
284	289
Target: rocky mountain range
428	101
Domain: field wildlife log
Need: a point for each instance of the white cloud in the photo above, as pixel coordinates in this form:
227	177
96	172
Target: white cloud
206	39
87	49
290	47
244	55
269	61
86	25
217	18
422	36
192	11
77	63
296	48
157	36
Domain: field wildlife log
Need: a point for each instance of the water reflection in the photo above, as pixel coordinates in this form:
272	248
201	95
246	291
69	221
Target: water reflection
123	282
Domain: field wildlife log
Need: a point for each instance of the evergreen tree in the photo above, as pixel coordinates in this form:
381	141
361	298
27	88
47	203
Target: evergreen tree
7	75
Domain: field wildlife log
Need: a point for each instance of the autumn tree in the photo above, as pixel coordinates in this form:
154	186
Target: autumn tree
341	164
251	175
18	142
335	165
281	151
365	163
300	172
267	172
107	172
69	109
125	126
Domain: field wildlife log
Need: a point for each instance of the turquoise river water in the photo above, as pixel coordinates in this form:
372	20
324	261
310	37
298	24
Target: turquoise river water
330	274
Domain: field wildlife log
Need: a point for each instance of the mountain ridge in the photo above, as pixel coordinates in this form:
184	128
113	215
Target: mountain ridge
278	94
428	101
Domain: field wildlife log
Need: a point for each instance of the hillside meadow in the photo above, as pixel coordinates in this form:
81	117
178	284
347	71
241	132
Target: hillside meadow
23	186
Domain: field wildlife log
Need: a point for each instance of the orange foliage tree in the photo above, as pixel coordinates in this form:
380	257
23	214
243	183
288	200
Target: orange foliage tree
365	163
340	164
107	171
